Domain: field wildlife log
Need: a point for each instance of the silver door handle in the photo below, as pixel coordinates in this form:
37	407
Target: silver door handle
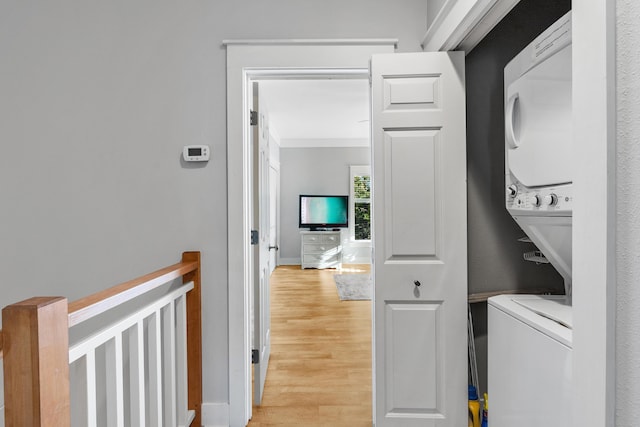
273	247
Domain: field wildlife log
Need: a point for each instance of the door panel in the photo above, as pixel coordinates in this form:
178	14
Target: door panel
410	93
419	223
410	164
416	358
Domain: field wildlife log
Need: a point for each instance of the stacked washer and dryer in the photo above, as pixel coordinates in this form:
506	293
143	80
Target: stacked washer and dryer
530	336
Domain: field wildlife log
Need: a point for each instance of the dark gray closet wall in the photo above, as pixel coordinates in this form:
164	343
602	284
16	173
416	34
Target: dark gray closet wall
495	255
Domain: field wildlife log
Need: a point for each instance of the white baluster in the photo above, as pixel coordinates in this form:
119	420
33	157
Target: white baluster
92	416
181	359
115	382
169	332
155	369
136	370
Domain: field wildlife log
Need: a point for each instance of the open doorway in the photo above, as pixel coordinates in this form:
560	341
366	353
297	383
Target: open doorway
313	129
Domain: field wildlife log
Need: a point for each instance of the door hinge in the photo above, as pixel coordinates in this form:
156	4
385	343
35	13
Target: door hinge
255	356
255	237
253	118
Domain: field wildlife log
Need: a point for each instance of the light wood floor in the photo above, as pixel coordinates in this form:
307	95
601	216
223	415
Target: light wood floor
320	369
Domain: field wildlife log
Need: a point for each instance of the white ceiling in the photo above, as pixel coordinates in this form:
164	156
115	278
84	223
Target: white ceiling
316	113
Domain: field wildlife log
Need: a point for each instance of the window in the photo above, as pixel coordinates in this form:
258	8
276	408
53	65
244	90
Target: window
360	201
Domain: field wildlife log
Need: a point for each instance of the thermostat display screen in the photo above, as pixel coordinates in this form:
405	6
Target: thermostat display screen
196	153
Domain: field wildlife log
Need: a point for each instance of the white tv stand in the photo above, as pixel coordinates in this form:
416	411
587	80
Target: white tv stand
320	249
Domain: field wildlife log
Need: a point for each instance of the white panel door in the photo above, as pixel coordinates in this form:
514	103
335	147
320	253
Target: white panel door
420	239
261	292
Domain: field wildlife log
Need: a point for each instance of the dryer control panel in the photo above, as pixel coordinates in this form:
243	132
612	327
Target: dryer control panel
553	200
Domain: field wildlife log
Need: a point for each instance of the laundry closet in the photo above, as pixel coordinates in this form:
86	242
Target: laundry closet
502	257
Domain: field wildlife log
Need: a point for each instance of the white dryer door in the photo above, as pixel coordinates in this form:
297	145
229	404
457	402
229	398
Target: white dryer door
538	123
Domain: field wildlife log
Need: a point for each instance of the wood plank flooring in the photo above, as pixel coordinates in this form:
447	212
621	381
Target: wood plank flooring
320	369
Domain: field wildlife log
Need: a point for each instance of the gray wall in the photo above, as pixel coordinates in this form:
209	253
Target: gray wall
312	171
97	100
495	255
628	218
433	8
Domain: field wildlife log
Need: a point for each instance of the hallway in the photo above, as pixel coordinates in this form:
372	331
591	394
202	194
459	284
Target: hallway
320	368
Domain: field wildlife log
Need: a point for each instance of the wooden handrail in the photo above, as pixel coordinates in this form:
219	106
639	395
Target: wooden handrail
95	304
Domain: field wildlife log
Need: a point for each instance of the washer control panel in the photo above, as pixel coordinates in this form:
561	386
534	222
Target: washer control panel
557	199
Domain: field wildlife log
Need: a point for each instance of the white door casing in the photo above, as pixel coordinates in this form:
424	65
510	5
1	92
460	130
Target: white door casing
244	61
420	240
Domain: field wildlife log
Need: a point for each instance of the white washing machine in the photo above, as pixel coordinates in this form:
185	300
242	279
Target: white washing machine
529	356
529	360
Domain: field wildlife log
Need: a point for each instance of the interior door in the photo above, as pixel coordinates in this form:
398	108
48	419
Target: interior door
420	262
261	297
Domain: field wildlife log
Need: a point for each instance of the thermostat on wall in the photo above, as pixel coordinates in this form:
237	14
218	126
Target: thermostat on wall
195	153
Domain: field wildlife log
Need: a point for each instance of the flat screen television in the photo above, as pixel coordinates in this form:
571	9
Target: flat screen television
321	211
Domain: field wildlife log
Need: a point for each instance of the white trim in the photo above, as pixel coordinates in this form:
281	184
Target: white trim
498	11
289	261
301	73
455	20
312	42
215	414
243	63
594	230
323	142
462	24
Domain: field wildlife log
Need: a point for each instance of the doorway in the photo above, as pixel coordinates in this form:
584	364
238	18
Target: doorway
308	125
244	63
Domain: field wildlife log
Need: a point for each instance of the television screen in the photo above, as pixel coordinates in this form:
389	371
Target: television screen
318	211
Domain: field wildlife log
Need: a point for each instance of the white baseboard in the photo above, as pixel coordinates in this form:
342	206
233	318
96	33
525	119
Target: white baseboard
361	260
215	414
353	260
289	261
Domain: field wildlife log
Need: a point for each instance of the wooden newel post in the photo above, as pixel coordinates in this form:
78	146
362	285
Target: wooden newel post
194	337
36	363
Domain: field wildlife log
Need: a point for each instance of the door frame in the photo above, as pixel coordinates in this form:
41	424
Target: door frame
247	61
594	218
